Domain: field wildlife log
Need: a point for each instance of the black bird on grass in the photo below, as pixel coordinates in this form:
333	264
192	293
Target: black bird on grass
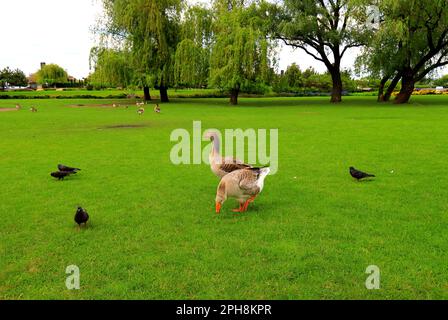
359	175
61	167
81	216
61	174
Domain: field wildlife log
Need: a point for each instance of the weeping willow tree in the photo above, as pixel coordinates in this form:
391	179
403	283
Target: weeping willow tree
112	67
192	59
411	43
51	74
149	28
420	32
240	52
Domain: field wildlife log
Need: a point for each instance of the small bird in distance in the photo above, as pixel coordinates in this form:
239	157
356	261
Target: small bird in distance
64	171
62	167
81	216
60	175
359	175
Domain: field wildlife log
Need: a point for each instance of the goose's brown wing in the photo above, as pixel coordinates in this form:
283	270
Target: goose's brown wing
230	167
248	181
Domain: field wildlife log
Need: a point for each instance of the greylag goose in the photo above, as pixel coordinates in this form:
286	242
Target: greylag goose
244	185
222	165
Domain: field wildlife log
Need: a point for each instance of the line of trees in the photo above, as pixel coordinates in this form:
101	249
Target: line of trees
12	78
48	75
231	44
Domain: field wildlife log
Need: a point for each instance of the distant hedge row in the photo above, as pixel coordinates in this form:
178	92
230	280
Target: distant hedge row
180	95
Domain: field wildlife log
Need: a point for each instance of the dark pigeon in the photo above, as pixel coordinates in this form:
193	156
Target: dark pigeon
61	167
358	175
61	174
81	216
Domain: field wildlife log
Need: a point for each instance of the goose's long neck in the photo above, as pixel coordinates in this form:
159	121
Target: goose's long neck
215	148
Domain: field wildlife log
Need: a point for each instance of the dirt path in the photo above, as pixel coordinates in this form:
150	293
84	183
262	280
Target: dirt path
7	109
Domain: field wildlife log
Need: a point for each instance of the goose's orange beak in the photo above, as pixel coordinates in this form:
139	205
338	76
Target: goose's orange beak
218	207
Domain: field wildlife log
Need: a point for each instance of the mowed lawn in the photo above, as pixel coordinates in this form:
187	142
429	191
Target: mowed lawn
153	232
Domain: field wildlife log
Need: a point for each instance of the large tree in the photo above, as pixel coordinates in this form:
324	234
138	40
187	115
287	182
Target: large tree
380	60
240	52
12	77
112	67
51	74
149	28
324	29
192	59
411	43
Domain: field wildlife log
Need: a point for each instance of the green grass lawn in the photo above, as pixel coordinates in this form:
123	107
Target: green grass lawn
153	232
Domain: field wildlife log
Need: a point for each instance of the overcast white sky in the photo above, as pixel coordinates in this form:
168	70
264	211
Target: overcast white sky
59	31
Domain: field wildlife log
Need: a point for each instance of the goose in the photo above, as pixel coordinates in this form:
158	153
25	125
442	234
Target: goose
139	103
157	108
244	185
18	106
32	109
141	111
219	165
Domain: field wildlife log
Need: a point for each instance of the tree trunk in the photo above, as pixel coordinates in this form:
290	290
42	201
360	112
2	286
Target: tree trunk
234	96
392	87
336	94
163	94
147	96
407	88
381	88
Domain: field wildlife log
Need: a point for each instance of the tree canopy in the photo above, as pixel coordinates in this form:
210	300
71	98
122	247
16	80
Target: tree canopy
192	58
12	77
240	52
150	30
112	68
412	42
51	74
324	29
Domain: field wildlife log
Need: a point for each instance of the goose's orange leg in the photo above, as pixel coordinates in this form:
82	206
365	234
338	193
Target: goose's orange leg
246	204
240	209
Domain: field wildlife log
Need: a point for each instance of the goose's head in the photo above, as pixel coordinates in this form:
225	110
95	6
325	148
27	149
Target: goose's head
211	135
219	200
